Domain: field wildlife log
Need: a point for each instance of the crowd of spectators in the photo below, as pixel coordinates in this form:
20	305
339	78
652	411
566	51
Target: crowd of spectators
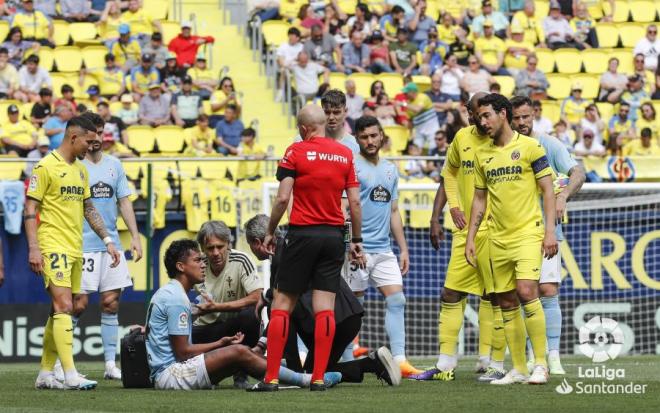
447	50
142	80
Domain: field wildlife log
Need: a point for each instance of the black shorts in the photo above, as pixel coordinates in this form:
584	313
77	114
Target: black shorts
312	258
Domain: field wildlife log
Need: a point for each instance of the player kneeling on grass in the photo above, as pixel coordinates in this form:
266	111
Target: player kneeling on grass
348	317
379	200
175	363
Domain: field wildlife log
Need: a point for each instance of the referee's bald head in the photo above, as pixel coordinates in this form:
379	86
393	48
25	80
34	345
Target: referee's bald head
311	121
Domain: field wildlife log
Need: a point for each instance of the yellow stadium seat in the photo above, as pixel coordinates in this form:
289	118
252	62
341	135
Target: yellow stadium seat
631	33
336	80
189	169
216	169
68	58
656	105
595	60
11	171
133	169
363	82
82	31
551	110
141	138
546	60
170	139
621	10
26	110
422	82
590	84
606	110
80	92
4	29
507	84
432	9
542	8
59	80
642	11
94	56
399	136
568	60
560	86
347	6
625	57
608	35
156	9
46	58
170	30
275	32
161	169
60	32
392	83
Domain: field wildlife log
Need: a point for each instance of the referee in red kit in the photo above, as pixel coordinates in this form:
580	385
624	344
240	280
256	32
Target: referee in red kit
318	170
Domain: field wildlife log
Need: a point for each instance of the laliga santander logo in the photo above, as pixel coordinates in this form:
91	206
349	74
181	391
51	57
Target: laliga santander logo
564	388
607	341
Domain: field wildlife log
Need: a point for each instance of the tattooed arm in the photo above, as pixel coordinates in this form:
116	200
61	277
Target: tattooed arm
95	221
476	216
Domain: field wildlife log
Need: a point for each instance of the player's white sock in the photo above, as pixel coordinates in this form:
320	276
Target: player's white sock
499	365
71	376
109	365
399	359
44	374
553	353
446	362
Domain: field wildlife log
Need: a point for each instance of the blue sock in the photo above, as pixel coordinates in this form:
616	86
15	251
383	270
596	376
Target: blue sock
109	331
287	376
347	355
552	321
394	323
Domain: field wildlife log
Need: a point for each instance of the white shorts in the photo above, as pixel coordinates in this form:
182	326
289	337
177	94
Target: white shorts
424	134
97	275
187	375
551	270
382	269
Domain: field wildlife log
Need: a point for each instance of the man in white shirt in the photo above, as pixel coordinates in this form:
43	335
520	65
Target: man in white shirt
587	146
541	124
287	53
306	75
354	103
558	33
649	46
31	78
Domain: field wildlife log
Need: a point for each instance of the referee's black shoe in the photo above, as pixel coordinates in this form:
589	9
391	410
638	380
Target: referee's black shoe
386	368
263	387
318	387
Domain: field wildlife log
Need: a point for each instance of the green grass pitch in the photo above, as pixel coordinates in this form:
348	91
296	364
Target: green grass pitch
463	395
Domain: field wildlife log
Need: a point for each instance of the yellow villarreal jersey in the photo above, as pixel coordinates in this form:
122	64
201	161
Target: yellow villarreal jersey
110	83
509	174
460	158
223	202
61	188
489	48
33	25
195	196
200	75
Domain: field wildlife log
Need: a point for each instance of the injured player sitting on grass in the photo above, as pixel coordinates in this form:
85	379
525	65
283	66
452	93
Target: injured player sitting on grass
175	363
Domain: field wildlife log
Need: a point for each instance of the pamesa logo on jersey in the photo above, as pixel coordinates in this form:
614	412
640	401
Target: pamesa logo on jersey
601	340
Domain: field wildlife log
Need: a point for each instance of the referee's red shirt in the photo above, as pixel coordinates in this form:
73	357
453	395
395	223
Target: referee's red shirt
322	169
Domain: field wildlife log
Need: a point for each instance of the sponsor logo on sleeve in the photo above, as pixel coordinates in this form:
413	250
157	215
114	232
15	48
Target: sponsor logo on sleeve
183	320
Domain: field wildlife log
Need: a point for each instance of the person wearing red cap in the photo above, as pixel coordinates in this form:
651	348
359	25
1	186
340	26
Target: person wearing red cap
185	45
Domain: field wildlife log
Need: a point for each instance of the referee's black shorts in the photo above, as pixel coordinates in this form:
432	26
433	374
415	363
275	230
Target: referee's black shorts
312	258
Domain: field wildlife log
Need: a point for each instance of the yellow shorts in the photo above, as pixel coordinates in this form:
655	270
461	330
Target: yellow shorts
511	261
62	270
463	277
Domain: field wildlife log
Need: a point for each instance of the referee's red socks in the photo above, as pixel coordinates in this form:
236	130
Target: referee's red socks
324	334
278	332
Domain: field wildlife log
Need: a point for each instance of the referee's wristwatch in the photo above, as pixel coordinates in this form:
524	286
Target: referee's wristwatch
356	240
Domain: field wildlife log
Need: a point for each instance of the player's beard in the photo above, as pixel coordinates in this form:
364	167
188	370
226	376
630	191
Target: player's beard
95	148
